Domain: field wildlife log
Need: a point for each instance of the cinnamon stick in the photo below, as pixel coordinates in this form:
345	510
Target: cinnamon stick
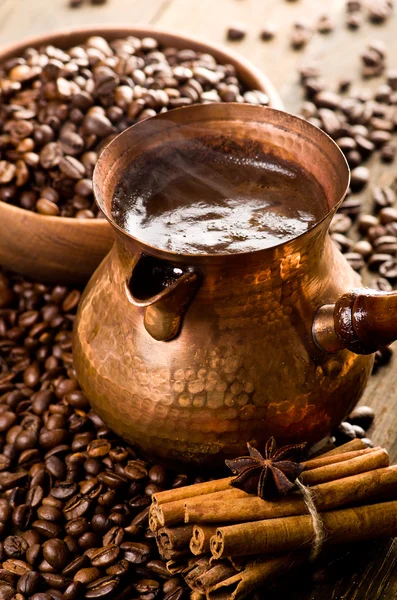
182	566
200	566
201	536
189	491
154	524
256	574
216	573
173	513
373	485
280	535
196	596
219	485
367	462
355	444
322	461
174	543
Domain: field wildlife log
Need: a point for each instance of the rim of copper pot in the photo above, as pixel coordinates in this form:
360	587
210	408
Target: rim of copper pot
251	75
283	118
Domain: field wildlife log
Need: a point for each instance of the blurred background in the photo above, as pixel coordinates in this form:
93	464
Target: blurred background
336	52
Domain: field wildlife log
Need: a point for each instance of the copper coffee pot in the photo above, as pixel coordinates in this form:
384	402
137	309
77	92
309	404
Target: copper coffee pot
191	356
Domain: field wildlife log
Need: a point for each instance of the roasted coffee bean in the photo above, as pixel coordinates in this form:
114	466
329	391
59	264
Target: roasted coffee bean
98	448
28	583
180	480
5	510
7	420
35	496
64	491
236	33
104	557
158	475
75	565
33	554
376	260
360	433
363	247
74	591
15	546
16	566
147	586
325	24
355	260
159	567
7	592
115	535
344	433
55	553
100	523
177	594
88	540
135	552
47	529
7	577
87	575
171	585
50	439
388	215
388	269
141	518
268	33
54	580
388	153
22	516
103	588
112	480
76	507
76	527
120	568
362	416
136	470
367	442
359	178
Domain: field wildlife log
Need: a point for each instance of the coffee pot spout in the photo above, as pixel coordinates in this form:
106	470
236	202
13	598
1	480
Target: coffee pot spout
362	321
164	291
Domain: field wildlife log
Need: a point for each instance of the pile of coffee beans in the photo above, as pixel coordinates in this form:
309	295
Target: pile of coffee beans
363	125
59	109
356	426
74	498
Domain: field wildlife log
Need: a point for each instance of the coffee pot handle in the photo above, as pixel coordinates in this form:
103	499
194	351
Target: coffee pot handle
362	321
164	291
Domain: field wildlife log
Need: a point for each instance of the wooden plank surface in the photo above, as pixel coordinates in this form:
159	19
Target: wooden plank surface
372	573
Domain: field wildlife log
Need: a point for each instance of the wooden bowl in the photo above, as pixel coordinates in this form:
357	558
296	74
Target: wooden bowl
68	250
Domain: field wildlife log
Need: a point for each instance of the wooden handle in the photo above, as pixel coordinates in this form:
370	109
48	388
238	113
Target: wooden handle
362	321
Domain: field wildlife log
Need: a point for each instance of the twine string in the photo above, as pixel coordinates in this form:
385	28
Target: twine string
318	526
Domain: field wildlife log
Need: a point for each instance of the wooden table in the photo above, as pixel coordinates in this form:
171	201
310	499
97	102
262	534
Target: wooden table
373	573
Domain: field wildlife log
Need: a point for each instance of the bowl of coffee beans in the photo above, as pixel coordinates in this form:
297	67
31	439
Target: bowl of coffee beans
63	98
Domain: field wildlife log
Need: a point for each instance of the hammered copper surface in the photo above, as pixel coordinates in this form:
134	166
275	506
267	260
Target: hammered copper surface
244	365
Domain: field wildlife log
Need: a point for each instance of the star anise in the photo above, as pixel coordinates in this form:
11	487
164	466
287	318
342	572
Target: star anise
271	475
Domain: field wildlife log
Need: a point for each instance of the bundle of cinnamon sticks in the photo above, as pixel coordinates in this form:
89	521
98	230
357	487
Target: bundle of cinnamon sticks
227	543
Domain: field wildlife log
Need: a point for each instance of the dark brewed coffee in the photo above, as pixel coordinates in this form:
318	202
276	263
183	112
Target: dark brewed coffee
196	198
